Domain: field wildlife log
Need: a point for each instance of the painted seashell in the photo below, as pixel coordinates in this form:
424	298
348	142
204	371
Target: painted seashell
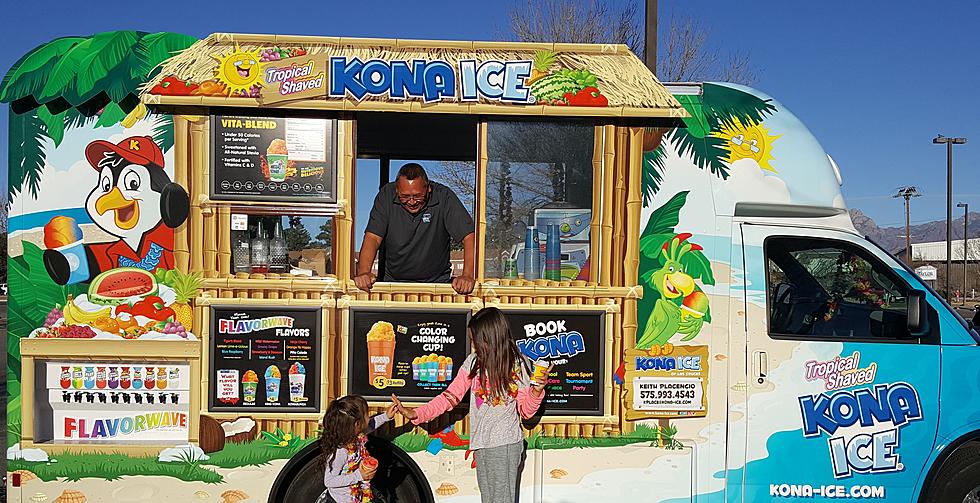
233	496
202	495
558	473
447	489
39	497
720	357
25	475
71	496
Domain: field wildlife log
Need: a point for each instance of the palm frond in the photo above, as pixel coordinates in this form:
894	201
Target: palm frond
154	49
29	74
707	152
163	131
726	103
652	173
25	153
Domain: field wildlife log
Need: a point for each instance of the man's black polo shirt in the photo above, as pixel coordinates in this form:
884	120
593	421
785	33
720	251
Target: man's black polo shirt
417	246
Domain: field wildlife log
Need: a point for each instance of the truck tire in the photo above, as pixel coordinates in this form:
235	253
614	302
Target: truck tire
959	478
399	479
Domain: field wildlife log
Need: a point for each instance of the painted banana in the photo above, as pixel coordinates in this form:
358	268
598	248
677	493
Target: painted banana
75	315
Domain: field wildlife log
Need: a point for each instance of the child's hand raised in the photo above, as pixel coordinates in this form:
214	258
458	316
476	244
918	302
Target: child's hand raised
537	386
409	414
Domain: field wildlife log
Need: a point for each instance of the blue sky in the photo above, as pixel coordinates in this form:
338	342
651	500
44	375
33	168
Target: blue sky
874	81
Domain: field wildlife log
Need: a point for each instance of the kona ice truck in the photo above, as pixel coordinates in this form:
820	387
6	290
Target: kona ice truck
183	221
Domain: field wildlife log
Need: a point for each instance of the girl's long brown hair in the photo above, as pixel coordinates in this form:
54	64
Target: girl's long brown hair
342	422
496	351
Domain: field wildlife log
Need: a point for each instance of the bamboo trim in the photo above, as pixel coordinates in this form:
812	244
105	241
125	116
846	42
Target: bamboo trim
327	303
344	225
210	245
182	168
619	205
102	349
224	241
199	173
609	157
634	204
482	164
595	226
608	308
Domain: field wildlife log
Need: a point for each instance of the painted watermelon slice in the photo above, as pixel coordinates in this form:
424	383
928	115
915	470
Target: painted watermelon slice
114	286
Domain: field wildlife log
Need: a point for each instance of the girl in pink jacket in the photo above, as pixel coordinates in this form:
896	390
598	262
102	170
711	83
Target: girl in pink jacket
498	378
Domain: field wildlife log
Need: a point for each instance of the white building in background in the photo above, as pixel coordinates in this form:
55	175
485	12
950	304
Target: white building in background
935	251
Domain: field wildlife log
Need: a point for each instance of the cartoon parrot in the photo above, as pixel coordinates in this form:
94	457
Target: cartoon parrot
680	306
133	200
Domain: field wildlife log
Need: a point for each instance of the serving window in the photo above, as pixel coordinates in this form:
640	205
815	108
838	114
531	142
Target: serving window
539	191
296	244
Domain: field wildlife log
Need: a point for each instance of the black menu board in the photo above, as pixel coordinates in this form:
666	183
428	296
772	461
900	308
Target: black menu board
273	159
575	343
414	354
264	359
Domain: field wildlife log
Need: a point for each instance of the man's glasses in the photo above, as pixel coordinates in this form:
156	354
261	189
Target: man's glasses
411	199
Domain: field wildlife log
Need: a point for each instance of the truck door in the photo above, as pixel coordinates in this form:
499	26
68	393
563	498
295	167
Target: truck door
842	399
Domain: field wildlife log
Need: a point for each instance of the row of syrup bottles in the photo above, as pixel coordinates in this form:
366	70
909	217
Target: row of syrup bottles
113	377
261	254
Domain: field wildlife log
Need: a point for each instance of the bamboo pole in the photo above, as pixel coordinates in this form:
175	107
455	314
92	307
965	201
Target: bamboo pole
343	223
634	204
609	157
595	226
181	177
211	244
224	241
619	204
198	177
482	163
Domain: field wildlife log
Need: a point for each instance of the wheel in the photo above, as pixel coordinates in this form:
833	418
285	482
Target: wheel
959	478
399	479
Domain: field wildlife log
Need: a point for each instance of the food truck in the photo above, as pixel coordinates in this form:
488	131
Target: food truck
184	220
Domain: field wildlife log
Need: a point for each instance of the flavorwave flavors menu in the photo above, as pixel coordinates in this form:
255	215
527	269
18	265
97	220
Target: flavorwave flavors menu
414	354
273	159
575	343
265	358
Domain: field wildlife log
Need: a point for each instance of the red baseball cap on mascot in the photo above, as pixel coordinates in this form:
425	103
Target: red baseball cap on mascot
140	150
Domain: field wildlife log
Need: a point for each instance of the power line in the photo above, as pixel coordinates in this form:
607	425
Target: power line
907	193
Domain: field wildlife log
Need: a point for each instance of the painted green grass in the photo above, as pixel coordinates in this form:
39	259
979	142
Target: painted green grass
255	453
75	466
417	442
640	435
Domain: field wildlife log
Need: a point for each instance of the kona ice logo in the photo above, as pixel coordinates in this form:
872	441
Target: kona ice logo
863	425
431	81
841	372
551	339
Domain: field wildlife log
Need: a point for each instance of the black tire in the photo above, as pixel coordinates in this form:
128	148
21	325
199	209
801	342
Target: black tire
959	478
399	479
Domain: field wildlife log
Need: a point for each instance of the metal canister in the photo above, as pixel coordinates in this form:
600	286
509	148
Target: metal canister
532	263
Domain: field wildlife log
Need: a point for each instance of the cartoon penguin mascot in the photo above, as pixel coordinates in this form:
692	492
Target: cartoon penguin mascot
135	201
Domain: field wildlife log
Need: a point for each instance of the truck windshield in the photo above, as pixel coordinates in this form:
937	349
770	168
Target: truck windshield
968	326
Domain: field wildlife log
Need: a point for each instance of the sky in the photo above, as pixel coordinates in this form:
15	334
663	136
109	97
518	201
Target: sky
874	81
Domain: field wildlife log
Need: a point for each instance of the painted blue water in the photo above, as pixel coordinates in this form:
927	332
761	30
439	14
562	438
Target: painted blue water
40	219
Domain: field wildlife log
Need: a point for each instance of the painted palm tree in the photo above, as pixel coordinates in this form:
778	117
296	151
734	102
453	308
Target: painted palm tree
718	106
74	81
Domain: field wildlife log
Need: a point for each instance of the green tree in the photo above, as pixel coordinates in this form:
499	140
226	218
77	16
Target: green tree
297	237
325	237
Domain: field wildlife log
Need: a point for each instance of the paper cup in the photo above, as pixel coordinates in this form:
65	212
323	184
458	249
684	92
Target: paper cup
541	371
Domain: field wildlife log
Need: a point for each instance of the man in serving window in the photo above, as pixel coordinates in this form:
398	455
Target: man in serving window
415	219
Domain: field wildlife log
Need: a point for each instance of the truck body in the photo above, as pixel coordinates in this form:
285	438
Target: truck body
720	330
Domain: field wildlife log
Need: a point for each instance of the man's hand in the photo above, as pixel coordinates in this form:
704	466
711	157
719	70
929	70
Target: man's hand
409	414
365	281
463	284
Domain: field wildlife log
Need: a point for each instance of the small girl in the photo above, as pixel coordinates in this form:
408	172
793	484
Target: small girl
498	378
342	449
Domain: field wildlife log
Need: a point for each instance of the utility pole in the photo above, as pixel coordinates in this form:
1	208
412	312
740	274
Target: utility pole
966	227
650	36
907	193
949	200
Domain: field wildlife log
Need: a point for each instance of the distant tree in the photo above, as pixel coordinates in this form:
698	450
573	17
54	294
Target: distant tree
325	237
297	237
686	54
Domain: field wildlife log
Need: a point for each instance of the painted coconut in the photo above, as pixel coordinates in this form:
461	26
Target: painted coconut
115	286
695	304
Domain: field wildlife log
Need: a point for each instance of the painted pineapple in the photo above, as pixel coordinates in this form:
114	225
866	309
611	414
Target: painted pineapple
543	60
186	287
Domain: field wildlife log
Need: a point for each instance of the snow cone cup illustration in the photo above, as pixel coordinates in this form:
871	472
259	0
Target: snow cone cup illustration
441	376
695	305
449	368
272	380
250	384
65	236
416	364
381	350
297	382
278	158
433	367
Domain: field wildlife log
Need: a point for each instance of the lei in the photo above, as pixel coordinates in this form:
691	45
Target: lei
360	492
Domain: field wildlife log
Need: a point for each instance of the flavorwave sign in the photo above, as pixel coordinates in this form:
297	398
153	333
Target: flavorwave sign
121	427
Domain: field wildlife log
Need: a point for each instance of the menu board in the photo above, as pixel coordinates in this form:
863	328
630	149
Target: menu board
574	342
412	353
273	159
264	359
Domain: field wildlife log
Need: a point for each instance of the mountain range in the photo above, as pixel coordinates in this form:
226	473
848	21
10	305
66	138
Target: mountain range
893	238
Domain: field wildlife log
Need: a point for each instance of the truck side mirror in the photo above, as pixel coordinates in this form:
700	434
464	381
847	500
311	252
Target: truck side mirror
918	313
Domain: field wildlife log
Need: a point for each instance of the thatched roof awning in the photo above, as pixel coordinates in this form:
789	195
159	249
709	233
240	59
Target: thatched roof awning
330	73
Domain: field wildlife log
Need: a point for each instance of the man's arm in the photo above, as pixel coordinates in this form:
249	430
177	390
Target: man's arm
364	278
464	282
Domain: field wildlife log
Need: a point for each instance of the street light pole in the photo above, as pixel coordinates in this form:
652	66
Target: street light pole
966	220
949	200
907	193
